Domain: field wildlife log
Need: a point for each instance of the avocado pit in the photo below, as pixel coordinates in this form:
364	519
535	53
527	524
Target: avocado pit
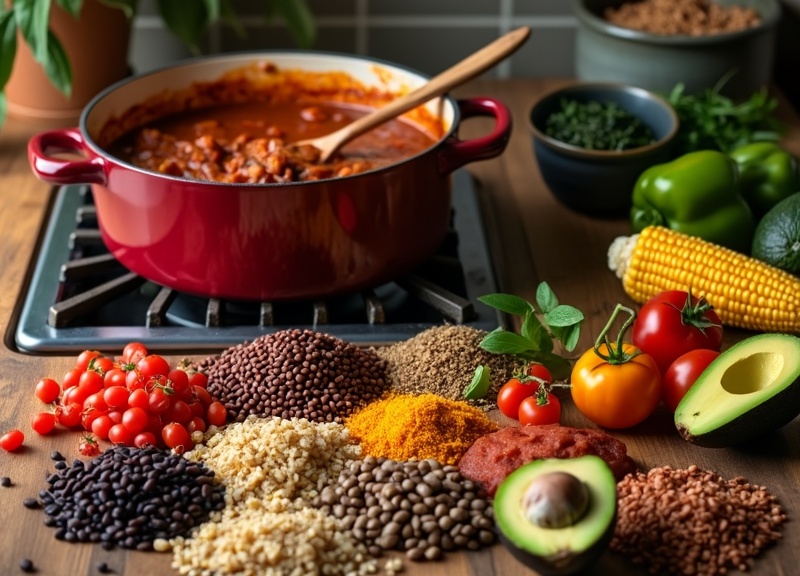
556	500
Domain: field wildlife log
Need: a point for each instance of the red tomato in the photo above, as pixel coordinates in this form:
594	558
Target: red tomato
47	390
135	420
216	414
82	362
88	446
179	381
69	415
177	437
43	423
158	401
152	365
683	373
512	394
102	364
12	440
670	324
115	377
71	378
540	371
198	379
139	398
119	434
91	380
615	395
101	425
145	439
540	409
133	352
117	397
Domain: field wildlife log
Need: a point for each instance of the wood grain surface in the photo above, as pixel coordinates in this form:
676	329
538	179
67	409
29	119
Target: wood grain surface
534	238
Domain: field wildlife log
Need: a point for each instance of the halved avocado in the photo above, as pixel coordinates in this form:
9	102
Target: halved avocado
748	390
557	515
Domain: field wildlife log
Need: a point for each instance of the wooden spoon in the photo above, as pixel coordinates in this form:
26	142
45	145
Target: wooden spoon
465	70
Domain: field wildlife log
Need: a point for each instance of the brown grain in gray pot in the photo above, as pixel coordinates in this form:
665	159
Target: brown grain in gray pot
609	52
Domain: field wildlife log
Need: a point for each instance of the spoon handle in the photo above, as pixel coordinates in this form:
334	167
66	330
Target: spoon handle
466	69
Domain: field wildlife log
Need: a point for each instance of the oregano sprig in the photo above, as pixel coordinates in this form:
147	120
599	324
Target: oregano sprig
554	322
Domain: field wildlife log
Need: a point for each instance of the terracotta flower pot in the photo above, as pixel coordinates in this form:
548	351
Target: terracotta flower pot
97	45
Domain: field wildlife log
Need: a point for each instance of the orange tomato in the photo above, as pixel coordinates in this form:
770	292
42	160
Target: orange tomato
616	395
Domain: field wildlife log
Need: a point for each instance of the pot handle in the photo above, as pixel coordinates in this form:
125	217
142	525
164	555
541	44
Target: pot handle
62	170
455	153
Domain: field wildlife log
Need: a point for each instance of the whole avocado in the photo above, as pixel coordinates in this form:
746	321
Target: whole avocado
776	240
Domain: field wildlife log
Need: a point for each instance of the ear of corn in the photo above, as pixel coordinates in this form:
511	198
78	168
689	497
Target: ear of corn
745	292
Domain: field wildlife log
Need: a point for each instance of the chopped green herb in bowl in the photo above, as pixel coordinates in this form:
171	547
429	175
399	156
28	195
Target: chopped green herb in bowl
597	126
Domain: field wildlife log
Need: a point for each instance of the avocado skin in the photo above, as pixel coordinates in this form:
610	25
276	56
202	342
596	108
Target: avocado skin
770	415
563	565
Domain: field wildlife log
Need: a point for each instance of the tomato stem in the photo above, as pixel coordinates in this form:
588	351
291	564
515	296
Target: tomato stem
616	352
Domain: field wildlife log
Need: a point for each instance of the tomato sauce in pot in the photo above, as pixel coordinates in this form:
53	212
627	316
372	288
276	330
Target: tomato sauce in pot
250	139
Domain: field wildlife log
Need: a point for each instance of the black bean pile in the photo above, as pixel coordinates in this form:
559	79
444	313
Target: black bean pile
421	507
129	497
295	374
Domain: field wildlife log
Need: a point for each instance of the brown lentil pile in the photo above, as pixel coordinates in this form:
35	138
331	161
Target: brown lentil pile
409	427
272	470
421	507
691	521
129	497
682	17
442	360
295	374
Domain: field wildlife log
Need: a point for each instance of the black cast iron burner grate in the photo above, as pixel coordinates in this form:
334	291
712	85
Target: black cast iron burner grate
81	297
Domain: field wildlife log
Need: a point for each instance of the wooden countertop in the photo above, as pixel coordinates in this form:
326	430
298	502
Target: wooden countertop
534	238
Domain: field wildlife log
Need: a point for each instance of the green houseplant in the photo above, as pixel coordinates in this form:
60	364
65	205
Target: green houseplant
29	21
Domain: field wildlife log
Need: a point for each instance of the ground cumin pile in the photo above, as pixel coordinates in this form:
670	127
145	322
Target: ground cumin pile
692	521
442	360
418	427
682	17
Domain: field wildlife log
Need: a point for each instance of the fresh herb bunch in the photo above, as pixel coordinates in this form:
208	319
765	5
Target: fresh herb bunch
597	126
535	341
711	121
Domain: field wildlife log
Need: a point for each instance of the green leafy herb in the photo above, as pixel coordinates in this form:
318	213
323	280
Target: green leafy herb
479	385
712	121
597	126
535	341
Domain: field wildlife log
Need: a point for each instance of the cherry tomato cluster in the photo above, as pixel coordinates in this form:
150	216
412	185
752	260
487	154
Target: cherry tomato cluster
526	397
137	399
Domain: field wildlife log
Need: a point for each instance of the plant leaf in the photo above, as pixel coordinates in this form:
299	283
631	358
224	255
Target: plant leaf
299	20
560	368
32	17
71	7
228	16
504	342
569	336
545	298
507	303
186	19
533	330
563	315
479	385
8	47
57	66
3	108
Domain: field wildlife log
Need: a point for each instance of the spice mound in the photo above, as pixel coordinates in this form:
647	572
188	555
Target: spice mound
295	374
408	427
682	17
421	507
130	497
494	456
442	360
693	521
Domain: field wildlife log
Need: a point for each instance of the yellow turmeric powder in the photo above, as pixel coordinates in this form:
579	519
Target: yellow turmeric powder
408	427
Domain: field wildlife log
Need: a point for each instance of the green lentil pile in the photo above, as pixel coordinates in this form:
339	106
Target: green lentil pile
442	360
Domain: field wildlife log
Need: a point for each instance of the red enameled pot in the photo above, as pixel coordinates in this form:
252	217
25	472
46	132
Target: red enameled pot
269	241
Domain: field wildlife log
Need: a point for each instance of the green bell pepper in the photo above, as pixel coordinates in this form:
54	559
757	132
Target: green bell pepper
697	194
767	174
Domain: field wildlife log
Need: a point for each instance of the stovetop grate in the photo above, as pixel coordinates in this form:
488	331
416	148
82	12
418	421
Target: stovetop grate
81	297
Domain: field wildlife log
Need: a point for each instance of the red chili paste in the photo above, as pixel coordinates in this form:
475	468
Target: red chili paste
494	456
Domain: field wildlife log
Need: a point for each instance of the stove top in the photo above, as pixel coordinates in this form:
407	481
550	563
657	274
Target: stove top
80	297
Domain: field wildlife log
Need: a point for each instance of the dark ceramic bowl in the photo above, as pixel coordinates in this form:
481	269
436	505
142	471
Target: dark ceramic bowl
597	182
